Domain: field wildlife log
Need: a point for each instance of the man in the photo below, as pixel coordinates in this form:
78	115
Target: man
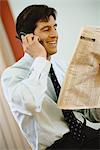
29	88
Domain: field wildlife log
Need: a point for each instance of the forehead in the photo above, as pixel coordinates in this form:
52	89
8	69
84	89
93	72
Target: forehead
42	23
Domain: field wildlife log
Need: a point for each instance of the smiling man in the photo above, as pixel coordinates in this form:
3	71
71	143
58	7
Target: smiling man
44	38
32	87
46	30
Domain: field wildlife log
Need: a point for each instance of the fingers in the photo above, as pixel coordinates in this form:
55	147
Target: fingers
28	40
36	38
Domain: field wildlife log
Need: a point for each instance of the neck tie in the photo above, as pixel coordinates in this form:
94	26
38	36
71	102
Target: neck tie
74	124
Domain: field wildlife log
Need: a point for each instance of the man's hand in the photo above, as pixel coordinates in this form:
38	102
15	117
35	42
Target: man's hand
32	46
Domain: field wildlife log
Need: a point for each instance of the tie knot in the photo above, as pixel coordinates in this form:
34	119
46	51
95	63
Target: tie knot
51	72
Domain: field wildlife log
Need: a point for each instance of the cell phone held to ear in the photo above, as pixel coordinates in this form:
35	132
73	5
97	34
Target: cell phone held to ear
20	34
24	34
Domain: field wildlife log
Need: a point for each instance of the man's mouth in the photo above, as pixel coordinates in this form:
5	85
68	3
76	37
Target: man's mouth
53	43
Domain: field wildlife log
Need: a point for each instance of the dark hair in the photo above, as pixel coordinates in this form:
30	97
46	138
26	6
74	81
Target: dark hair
27	19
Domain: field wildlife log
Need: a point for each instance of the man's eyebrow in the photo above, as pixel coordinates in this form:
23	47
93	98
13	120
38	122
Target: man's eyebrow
55	25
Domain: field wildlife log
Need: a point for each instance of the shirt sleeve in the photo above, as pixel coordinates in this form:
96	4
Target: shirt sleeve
24	84
92	114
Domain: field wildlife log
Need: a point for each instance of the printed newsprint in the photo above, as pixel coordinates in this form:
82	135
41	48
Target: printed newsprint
81	87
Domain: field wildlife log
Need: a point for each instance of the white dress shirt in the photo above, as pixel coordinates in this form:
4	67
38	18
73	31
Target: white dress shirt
31	96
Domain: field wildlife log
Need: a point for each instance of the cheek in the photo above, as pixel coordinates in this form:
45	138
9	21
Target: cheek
43	39
43	42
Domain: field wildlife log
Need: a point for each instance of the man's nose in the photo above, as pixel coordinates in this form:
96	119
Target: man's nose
53	33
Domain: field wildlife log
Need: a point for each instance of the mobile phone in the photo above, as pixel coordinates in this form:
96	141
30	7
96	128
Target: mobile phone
22	33
19	37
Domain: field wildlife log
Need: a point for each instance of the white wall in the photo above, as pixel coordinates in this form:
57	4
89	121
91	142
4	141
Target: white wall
72	15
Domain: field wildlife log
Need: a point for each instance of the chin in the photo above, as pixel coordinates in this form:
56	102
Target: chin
51	51
54	52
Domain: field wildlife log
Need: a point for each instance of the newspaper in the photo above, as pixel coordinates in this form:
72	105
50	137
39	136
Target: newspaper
81	87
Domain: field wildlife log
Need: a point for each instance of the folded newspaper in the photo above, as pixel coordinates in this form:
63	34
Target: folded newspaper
81	87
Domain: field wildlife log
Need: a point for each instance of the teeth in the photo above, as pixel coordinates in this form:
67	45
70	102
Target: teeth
53	42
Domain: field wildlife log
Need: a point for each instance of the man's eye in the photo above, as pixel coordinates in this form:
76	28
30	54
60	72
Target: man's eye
55	27
46	29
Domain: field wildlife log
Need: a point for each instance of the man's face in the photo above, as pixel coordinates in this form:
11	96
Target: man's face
46	30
